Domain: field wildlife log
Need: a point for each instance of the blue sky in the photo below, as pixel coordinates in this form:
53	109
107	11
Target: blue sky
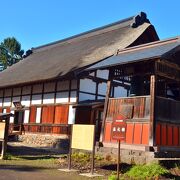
37	22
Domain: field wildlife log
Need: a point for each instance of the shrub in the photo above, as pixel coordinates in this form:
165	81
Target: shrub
146	171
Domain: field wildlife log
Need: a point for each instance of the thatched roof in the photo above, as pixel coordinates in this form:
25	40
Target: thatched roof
159	49
65	57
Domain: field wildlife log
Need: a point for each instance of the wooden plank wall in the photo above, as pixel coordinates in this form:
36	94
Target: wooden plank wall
167	134
141	108
137	126
136	133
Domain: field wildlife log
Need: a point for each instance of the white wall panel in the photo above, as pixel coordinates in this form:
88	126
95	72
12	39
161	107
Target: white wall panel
101	97
38	115
15	99
83	97
36	99
48	98
71	117
25	101
16	91
26	116
120	92
37	88
73	97
1	102
102	87
62	97
7	102
26	90
49	87
4	110
12	118
87	85
62	85
102	74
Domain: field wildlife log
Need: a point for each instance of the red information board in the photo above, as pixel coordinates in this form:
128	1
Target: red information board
119	128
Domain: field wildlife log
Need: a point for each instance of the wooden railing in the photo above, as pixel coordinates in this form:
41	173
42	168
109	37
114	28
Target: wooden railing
63	129
132	107
167	110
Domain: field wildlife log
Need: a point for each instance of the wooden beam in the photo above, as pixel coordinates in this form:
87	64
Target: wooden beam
152	110
108	92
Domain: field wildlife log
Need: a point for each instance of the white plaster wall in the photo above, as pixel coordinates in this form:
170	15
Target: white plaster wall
38	115
62	97
73	97
12	118
102	87
62	85
25	101
15	99
16	91
87	85
4	110
100	97
8	92
37	88
1	102
7	102
71	117
83	97
102	74
36	99
120	92
49	87
48	98
26	90
26	116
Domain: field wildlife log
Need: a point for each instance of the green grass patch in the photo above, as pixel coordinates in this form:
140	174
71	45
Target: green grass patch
146	171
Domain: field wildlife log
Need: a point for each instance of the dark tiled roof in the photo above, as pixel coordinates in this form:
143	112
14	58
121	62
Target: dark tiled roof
138	53
64	57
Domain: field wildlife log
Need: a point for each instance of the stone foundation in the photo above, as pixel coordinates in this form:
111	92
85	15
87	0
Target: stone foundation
45	140
127	156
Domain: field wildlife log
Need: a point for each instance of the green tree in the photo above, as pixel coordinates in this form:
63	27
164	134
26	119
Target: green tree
10	52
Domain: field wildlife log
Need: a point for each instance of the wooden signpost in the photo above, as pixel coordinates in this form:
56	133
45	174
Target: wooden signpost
4	128
82	137
119	133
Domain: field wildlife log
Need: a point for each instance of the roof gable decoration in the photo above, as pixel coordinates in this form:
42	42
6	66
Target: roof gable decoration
139	20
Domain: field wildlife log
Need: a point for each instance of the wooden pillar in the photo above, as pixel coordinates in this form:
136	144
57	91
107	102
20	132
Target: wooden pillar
152	110
108	92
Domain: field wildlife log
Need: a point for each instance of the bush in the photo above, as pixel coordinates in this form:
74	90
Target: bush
146	171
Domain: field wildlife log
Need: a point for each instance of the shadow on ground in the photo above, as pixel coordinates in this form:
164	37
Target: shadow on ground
19	150
20	168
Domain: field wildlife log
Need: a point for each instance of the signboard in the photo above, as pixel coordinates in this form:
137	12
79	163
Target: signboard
2	129
18	105
83	137
119	128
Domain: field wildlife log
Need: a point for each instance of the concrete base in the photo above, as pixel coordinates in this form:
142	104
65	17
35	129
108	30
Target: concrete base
91	175
68	170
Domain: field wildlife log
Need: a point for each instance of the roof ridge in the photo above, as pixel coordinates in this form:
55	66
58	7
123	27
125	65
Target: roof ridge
84	33
154	43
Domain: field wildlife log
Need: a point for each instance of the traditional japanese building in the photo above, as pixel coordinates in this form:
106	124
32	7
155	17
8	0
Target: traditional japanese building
46	90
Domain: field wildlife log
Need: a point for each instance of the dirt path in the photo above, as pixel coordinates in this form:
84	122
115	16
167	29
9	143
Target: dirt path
21	173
